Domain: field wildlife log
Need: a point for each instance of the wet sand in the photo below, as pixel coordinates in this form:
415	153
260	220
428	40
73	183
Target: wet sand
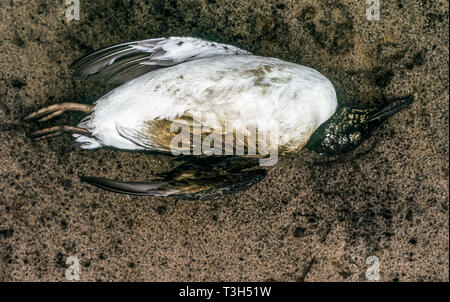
310	219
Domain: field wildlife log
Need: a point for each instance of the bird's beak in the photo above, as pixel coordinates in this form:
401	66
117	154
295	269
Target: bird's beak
389	110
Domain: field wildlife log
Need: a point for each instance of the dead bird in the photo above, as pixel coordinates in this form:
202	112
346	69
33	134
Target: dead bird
167	81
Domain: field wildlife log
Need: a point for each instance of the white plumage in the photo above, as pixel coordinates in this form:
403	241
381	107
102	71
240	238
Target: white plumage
217	94
224	83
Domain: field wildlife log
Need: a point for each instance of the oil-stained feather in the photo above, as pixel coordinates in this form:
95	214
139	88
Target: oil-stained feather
195	178
239	182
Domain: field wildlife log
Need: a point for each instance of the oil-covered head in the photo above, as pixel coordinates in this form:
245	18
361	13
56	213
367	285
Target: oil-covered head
348	127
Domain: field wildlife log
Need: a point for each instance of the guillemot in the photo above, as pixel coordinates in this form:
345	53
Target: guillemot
199	84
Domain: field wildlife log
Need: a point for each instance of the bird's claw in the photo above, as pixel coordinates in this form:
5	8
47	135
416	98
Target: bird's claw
52	111
58	130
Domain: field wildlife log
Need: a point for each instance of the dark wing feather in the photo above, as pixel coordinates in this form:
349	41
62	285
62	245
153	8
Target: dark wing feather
155	188
195	179
102	58
124	62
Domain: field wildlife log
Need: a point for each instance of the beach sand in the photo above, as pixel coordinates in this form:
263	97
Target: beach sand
311	219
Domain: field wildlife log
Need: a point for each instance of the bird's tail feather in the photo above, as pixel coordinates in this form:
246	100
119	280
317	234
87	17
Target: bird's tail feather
85	142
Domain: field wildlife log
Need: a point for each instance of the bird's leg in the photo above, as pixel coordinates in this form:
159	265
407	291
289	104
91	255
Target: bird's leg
58	130
55	110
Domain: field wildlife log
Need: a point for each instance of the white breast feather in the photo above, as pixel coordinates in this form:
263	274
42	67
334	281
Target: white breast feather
242	90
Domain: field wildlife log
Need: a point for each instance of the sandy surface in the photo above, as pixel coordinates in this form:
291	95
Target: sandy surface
311	219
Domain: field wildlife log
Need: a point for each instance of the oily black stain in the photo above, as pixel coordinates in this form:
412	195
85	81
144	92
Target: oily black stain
418	59
434	19
43	7
7	233
383	78
18	83
18	41
333	34
60	260
365	212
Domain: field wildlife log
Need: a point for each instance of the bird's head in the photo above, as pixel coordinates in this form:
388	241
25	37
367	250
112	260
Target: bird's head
349	127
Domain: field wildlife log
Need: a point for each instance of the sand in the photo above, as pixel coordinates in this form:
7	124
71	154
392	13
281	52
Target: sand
310	219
